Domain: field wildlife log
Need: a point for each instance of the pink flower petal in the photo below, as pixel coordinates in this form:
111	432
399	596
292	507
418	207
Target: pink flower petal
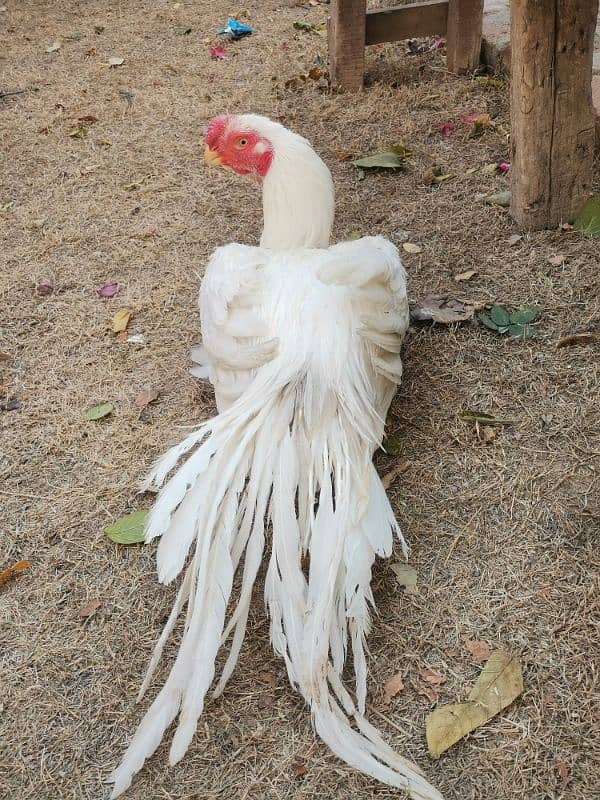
446	128
107	290
437	43
469	119
503	167
218	53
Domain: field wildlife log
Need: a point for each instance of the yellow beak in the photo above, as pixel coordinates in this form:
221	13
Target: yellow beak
212	157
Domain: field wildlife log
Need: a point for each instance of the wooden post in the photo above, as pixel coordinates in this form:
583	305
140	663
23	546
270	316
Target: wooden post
552	125
463	34
347	24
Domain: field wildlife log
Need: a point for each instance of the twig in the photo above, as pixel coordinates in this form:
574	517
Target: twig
16	91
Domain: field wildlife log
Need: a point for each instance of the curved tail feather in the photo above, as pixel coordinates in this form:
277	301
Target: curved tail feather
254	462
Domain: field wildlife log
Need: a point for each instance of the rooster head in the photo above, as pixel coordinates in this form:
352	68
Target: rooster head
232	142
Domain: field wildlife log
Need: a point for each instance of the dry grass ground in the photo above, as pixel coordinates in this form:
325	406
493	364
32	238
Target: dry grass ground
502	535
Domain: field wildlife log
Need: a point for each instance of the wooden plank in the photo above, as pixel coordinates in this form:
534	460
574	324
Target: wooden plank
463	35
552	122
346	34
427	18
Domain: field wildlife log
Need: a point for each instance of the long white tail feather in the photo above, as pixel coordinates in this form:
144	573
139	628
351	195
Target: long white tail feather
252	462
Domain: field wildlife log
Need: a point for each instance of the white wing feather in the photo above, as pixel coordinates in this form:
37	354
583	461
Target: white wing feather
303	350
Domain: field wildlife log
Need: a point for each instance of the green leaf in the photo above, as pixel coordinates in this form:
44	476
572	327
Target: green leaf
503	329
99	411
516	330
500	316
466	415
303	26
588	219
491	83
489	323
499	199
129	529
392	445
406	577
354	235
521	332
392	158
522	316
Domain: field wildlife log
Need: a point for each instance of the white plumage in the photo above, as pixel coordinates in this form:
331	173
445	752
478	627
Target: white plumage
301	342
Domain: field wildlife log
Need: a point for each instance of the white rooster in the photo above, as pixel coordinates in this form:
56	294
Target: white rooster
301	341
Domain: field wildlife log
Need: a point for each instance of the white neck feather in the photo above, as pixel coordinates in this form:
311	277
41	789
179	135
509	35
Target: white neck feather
298	194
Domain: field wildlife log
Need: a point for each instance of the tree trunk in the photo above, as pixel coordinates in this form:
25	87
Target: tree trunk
552	123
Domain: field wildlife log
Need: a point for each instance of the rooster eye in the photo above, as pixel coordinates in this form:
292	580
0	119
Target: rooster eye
242	142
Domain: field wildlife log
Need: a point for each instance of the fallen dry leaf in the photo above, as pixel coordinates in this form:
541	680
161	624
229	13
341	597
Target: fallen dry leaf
427	691
88	609
122	336
441	308
13	570
44	287
107	290
52	48
514	239
485	434
465	276
563	773
479	650
391	476
410	247
146	396
586	337
557	260
343	155
266	701
121	319
406	576
499	683
431	676
393	687
5	357
89	118
267	677
298	768
114	61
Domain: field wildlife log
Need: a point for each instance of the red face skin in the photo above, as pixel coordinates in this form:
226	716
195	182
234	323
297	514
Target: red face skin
245	152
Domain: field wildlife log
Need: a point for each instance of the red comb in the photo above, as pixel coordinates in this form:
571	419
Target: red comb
216	129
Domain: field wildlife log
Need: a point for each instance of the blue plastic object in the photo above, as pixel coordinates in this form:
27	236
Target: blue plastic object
235	29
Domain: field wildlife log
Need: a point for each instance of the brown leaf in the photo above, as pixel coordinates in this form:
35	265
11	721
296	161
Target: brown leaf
88	609
5	357
393	687
146	396
298	768
427	691
122	336
267	677
89	118
479	650
558	260
121	319
465	276
485	433
441	308
586	337
431	676
13	570
410	247
391	476
563	773
265	701
45	287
